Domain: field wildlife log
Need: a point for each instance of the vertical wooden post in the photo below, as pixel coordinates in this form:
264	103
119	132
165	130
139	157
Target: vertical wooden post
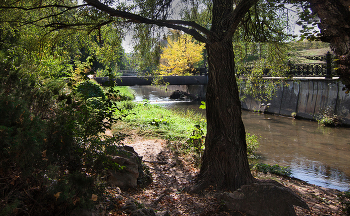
329	65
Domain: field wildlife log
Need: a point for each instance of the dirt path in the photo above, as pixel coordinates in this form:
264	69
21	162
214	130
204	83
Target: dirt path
171	174
147	148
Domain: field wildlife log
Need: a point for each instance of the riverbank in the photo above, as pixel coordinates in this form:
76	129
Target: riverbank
156	134
172	172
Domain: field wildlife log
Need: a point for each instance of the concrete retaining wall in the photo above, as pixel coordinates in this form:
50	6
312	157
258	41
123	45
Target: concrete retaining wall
307	98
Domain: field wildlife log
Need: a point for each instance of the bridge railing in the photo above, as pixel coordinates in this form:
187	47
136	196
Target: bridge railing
325	68
198	71
322	69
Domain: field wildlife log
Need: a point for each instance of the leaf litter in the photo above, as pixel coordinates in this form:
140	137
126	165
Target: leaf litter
172	173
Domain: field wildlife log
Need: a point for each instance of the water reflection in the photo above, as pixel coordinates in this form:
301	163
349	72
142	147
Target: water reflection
315	154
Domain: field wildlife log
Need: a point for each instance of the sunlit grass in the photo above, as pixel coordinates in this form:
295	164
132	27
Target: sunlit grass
124	93
157	121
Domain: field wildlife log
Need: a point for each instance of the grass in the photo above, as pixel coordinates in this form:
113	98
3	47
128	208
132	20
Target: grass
315	52
311	52
124	93
186	130
157	121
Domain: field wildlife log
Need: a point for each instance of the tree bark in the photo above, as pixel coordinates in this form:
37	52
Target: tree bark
224	164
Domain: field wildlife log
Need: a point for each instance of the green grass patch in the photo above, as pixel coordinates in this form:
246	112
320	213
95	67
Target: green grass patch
157	121
123	93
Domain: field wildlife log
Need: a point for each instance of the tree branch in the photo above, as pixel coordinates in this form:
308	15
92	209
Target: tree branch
46	17
59	25
45	6
191	24
237	15
139	19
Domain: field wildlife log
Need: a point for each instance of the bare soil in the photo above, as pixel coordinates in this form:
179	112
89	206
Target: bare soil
172	173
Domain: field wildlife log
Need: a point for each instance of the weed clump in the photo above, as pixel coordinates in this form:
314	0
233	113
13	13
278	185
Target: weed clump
328	118
273	169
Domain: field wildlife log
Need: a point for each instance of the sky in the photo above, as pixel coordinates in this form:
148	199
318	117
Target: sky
128	42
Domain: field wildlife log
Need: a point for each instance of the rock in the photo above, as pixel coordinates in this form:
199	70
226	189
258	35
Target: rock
182	95
127	177
178	95
133	172
262	199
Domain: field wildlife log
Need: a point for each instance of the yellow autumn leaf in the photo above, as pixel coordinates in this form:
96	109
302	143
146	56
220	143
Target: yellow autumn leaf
44	153
94	197
75	200
57	195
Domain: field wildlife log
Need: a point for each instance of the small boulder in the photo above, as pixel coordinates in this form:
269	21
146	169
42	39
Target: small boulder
132	173
181	95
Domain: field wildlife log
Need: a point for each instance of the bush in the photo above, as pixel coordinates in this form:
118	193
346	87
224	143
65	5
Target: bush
51	152
328	118
89	89
252	144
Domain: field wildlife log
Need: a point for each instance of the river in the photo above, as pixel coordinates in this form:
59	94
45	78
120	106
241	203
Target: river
315	154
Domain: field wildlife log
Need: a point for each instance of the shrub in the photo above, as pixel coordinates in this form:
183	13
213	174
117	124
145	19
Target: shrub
51	150
328	118
89	89
197	139
252	144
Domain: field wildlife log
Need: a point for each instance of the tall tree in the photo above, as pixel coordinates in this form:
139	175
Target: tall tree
180	55
224	163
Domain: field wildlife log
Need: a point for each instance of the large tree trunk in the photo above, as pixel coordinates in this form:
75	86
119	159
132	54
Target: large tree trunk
224	163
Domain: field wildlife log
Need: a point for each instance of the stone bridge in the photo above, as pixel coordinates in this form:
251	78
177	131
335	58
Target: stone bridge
148	80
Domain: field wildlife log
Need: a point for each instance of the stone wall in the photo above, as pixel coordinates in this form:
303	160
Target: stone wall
307	98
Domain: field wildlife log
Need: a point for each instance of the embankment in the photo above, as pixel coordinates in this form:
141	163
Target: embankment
307	98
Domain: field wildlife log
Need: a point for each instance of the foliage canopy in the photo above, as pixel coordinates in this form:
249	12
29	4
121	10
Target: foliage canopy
180	56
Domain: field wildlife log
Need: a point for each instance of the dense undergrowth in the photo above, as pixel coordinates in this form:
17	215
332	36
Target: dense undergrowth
53	149
53	154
